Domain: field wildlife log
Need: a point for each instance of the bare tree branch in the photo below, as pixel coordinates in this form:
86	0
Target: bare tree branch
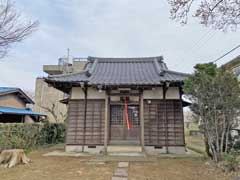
218	14
13	26
51	110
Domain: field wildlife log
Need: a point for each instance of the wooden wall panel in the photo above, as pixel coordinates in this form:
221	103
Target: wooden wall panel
159	131
94	126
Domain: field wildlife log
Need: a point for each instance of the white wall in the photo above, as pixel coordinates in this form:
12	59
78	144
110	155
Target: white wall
157	93
173	93
77	93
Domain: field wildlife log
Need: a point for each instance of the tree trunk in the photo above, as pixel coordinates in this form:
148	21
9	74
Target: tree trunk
12	157
207	148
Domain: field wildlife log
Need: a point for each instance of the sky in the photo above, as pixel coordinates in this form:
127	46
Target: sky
107	28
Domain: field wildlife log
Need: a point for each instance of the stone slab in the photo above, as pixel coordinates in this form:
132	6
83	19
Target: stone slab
121	172
119	178
67	154
127	154
123	159
123	164
124	149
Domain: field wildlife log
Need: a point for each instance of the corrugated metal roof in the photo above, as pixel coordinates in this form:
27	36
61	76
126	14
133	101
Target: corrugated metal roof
21	94
7	89
123	71
10	110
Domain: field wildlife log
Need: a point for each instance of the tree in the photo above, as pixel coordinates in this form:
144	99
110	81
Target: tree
13	26
219	14
52	108
215	94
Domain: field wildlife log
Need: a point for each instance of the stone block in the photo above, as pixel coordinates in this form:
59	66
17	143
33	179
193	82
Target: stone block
119	178
121	172
123	164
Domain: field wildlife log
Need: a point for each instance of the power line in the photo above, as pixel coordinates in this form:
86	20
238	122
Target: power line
238	46
204	42
200	39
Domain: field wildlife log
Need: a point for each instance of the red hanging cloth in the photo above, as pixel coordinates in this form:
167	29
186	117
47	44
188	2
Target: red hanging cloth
126	114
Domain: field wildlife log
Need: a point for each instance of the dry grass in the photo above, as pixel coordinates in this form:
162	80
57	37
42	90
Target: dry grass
176	169
57	168
73	168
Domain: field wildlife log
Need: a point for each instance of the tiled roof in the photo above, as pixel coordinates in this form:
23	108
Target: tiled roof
122	71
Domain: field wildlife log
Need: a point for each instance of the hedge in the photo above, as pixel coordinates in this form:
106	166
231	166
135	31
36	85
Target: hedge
28	136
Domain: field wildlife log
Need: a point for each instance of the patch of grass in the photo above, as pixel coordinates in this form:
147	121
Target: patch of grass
196	141
197	150
196	144
192	126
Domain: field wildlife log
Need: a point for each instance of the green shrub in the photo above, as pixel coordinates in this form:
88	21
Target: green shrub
236	145
28	136
231	161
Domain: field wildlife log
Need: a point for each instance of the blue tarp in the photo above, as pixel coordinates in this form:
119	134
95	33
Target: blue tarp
10	110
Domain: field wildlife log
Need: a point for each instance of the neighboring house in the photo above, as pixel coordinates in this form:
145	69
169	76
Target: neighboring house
13	107
124	101
234	66
47	99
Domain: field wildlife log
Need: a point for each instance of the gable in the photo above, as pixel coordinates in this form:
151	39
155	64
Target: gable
4	91
12	100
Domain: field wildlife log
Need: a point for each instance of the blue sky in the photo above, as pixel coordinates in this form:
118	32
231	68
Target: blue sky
108	28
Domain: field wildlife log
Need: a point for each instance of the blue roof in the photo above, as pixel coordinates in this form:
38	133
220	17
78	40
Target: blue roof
7	89
20	93
10	110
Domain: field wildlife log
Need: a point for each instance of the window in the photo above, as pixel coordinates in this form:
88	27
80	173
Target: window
116	115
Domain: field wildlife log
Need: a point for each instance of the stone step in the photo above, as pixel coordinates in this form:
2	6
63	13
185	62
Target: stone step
124	149
119	178
127	154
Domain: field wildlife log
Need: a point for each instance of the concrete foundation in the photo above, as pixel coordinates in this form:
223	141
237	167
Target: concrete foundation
177	149
88	149
150	150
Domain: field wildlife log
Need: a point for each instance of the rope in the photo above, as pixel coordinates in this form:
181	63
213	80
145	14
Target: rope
126	114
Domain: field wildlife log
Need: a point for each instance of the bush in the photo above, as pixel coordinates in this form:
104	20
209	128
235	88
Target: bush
231	161
28	136
236	145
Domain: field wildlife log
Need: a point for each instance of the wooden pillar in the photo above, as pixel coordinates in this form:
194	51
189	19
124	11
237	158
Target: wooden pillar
142	119
182	115
165	117
67	124
106	122
85	117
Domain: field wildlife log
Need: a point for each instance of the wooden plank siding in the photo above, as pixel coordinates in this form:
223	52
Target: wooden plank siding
156	131
155	128
94	130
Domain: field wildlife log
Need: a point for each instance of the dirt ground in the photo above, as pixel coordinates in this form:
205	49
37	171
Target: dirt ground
79	168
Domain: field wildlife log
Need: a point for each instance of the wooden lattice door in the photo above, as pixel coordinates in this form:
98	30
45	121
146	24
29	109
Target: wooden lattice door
118	125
